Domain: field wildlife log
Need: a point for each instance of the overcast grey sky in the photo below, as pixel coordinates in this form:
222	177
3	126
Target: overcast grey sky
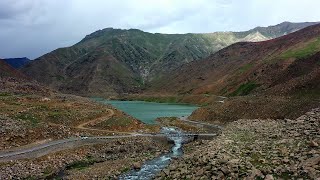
34	27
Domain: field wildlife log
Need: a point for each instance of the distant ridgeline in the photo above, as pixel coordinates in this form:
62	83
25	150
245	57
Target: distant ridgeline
114	61
17	62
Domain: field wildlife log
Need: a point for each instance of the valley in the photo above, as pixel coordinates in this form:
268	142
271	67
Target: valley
128	104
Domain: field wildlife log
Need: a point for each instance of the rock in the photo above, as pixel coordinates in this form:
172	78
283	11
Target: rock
136	166
225	170
312	161
285	160
166	171
269	177
45	99
223	161
313	144
311	172
256	173
233	161
200	172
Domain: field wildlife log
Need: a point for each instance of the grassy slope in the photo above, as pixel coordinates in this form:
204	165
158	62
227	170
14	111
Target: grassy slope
31	113
142	56
284	73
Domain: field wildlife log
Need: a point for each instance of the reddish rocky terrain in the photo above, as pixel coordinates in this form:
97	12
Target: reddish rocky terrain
275	78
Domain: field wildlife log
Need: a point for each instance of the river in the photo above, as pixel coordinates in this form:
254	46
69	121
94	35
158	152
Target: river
154	166
148	112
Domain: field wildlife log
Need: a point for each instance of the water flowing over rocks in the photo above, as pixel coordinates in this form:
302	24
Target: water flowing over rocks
152	167
251	149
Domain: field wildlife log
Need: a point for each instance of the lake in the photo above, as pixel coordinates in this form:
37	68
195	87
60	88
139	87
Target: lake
147	112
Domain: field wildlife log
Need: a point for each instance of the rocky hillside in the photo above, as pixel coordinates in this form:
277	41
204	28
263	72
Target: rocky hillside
255	149
115	61
8	71
17	62
278	78
285	65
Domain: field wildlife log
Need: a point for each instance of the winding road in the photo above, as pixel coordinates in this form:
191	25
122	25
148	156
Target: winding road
58	145
54	146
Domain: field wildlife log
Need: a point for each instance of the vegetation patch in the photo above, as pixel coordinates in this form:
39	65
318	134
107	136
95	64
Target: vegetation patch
4	94
167	99
82	164
28	117
245	68
125	169
60	78
245	89
116	121
304	52
49	173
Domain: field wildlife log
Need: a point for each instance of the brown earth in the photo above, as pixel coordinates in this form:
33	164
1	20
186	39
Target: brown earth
266	67
272	79
254	149
31	113
276	107
102	161
7	71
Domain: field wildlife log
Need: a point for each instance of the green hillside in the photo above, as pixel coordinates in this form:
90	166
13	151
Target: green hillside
115	61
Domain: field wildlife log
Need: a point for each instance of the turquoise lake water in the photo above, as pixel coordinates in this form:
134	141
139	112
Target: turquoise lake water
147	112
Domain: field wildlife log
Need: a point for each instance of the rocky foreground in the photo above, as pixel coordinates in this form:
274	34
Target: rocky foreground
100	161
255	149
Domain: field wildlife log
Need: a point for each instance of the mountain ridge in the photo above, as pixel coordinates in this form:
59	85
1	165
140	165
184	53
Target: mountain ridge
130	59
17	62
7	70
243	60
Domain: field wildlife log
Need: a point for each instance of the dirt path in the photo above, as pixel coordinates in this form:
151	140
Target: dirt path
96	121
82	126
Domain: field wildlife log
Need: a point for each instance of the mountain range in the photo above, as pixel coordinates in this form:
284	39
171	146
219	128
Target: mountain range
8	71
284	66
115	61
17	62
278	78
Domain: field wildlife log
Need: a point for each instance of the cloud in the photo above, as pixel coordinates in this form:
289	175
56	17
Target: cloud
34	27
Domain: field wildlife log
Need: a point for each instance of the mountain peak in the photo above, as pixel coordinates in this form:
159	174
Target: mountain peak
124	61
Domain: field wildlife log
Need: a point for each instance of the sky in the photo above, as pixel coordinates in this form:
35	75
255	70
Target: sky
31	28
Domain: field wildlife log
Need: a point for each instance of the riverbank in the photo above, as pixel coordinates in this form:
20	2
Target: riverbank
107	160
254	148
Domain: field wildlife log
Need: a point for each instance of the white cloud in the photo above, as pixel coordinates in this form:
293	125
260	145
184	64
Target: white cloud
34	27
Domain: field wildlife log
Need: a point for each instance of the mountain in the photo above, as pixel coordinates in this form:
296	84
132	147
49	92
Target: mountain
278	78
17	62
8	71
286	65
114	61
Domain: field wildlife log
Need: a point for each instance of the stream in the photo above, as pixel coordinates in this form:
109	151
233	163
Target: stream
152	167
147	112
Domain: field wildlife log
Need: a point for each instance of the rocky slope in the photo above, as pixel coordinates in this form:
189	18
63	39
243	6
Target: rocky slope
285	65
30	112
100	161
271	79
255	149
8	71
17	62
114	61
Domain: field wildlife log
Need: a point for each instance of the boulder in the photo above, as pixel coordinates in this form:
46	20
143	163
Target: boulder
136	166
